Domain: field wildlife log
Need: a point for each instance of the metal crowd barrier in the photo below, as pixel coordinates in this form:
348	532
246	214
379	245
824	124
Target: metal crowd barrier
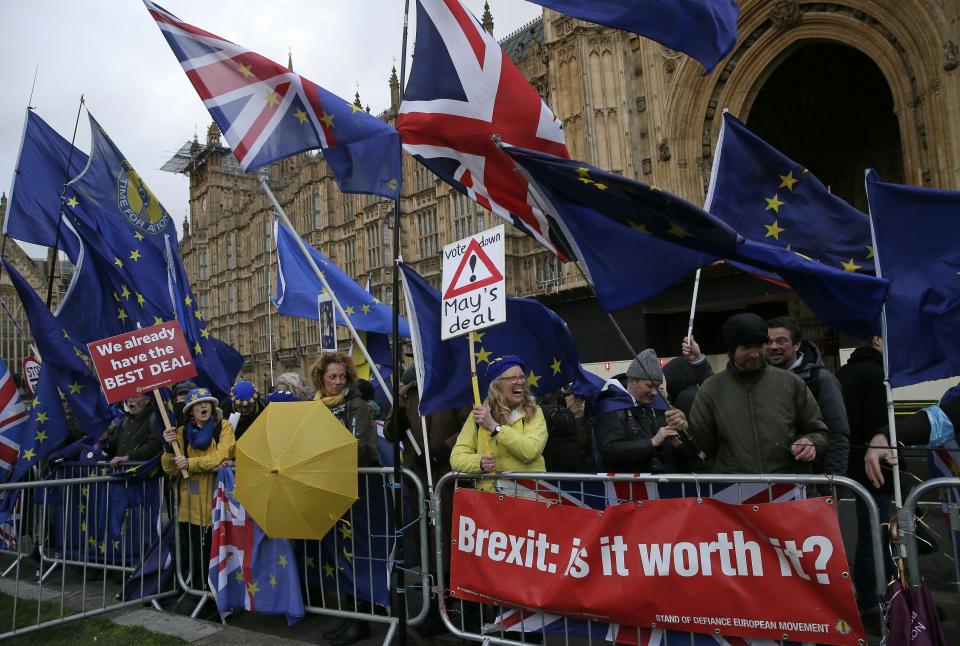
547	486
352	564
907	521
98	530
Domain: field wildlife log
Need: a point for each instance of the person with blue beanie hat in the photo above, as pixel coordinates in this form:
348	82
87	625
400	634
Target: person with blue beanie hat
508	431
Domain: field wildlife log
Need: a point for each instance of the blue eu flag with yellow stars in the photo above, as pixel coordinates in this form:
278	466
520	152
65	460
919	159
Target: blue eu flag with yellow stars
298	288
770	198
33	210
918	250
532	331
63	361
704	29
654	228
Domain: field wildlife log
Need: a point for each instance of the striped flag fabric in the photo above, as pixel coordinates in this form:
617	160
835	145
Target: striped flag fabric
13	415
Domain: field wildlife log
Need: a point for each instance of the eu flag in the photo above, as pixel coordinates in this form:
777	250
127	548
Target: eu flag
63	362
770	198
568	189
298	288
704	29
34	207
917	232
532	331
267	112
217	362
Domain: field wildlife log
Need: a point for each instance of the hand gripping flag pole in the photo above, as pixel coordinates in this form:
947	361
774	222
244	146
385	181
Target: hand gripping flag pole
319	274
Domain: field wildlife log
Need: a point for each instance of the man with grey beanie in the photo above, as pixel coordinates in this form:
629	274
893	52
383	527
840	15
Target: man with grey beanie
755	418
631	435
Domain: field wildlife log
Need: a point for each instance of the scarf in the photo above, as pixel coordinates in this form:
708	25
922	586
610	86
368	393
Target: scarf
200	437
331	400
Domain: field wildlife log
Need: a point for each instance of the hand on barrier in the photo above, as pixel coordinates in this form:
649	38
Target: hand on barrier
804	450
878	452
117	461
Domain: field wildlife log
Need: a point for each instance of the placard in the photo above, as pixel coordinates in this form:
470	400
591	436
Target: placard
474	283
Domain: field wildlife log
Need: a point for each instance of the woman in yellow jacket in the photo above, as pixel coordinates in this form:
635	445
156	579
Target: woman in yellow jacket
206	441
513	426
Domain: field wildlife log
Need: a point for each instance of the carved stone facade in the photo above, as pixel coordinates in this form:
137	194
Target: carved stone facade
627	104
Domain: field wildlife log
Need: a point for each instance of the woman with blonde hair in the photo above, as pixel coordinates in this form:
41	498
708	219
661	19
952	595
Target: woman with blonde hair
513	426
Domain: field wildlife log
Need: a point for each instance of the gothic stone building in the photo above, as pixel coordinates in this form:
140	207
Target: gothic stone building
837	85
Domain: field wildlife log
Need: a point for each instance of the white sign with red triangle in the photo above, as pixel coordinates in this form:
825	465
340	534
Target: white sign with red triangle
474	289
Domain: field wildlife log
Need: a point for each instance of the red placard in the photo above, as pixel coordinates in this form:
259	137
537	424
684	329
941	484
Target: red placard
143	360
772	570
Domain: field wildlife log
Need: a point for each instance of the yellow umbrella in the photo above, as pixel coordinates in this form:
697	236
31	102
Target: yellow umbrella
296	470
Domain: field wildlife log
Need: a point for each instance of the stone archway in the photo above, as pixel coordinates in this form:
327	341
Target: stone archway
829	107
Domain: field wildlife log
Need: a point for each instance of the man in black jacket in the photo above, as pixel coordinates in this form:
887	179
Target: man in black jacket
631	435
865	398
786	348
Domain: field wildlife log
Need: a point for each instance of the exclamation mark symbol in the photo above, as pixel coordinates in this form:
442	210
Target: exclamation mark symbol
473	267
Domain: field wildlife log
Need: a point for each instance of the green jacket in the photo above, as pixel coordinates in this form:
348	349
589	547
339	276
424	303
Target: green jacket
746	423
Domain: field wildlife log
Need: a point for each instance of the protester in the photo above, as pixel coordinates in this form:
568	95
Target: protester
180	392
577	405
562	453
205	442
136	435
245	400
631	435
865	400
786	348
367	393
683	377
753	418
335	381
292	382
514	430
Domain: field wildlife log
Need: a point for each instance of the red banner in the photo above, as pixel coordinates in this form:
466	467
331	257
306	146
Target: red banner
140	361
772	570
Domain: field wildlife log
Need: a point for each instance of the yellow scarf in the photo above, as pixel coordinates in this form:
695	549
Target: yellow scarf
331	400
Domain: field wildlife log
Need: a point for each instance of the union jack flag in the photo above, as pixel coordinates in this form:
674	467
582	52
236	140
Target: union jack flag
12	417
463	91
267	112
247	569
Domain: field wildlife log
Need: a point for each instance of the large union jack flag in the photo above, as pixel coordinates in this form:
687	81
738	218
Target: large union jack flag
267	112
464	91
12	417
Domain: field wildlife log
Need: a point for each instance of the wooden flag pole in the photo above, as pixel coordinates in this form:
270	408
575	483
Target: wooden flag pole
166	424
485	437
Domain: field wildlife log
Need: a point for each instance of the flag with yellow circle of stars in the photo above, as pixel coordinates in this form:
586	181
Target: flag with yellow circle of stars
655	229
64	360
770	198
533	332
356	556
918	250
248	569
267	112
298	288
34	206
217	363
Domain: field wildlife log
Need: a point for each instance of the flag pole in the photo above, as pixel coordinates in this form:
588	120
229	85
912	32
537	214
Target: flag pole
270	283
282	215
693	307
63	191
399	587
891	416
